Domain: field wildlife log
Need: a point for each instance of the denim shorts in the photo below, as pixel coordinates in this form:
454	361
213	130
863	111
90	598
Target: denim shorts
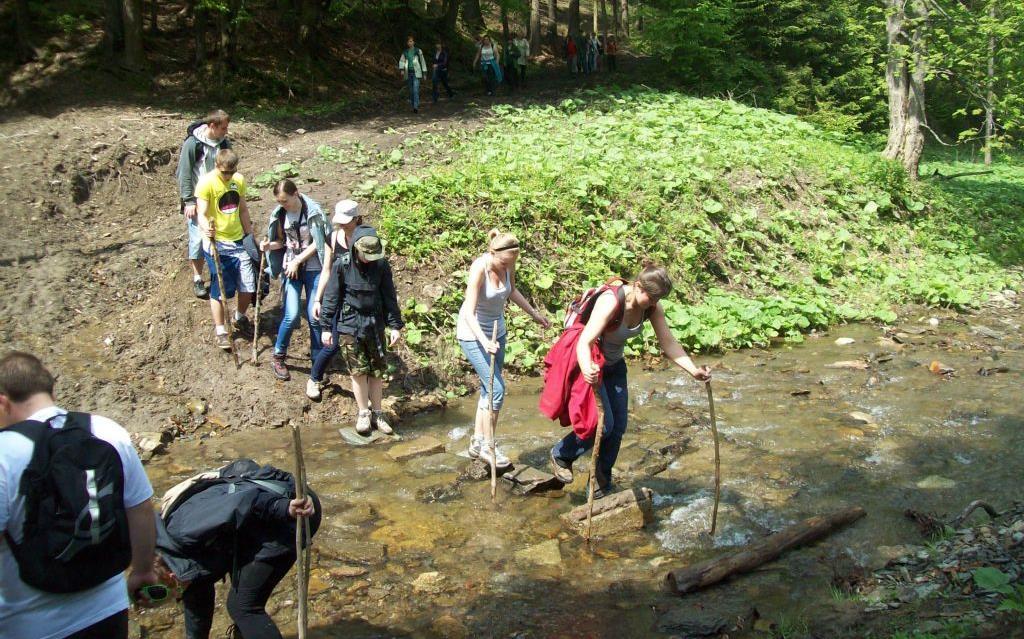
236	268
195	237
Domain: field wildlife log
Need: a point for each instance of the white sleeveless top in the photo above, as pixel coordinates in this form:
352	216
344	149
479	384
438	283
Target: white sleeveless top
490	306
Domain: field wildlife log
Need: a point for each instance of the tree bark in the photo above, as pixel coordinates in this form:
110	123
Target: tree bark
472	16
451	15
506	38
134	55
604	16
113	27
23	27
154	14
574	17
200	24
593	10
535	26
990	120
760	552
616	17
625	16
553	23
309	25
905	72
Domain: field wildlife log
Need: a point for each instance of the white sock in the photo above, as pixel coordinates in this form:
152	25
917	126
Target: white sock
220	330
238	316
197	278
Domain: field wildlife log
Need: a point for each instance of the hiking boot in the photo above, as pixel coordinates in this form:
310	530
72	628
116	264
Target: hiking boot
313	388
474	446
381	423
364	423
561	470
603	490
200	290
280	369
221	339
243	326
500	461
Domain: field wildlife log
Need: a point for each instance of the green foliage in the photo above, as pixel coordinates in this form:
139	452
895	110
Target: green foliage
952	630
279	172
995	580
770	226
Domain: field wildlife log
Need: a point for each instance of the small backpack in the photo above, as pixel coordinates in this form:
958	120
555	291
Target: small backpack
580	309
76	534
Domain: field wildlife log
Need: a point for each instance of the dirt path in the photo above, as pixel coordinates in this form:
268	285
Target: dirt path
92	258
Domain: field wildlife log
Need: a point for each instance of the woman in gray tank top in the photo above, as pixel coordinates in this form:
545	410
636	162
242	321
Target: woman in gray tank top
610	324
490	285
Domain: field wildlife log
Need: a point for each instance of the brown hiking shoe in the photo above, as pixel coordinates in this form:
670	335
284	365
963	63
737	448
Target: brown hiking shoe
560	470
222	342
280	369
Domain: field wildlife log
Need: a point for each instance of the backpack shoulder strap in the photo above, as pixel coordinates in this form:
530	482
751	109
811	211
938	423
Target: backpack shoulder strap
81	421
30	428
277	487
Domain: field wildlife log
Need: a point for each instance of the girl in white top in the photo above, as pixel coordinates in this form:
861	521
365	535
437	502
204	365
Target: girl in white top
491	283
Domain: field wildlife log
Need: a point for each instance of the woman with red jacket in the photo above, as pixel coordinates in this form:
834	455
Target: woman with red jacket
617	315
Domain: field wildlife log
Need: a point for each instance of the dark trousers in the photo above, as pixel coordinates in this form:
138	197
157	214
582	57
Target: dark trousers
522	74
247	600
113	627
615	400
610	61
440	77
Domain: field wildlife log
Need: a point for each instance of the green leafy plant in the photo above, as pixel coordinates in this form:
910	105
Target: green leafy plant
995	580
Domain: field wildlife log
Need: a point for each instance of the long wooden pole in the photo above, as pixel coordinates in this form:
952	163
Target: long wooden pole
302	554
718	459
490	416
256	321
592	480
223	300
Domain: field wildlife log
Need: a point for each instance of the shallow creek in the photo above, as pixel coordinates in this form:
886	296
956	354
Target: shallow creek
790	449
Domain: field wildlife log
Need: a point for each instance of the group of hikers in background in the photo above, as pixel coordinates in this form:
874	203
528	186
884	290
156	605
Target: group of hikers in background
585	53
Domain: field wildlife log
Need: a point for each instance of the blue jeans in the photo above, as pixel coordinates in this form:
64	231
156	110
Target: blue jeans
440	77
291	291
323	359
414	89
481	362
615	400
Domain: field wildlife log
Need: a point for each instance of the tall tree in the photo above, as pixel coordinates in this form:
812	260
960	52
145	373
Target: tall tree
451	15
154	13
113	27
472	16
905	71
535	26
593	10
23	27
134	55
624	15
616	18
552	21
990	120
574	17
604	16
309	25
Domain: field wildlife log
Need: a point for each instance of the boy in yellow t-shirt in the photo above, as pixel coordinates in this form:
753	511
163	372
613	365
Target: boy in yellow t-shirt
224	217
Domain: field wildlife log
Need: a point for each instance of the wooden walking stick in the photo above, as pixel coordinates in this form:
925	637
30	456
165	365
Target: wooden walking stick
718	460
256	321
592	480
223	300
302	553
490	416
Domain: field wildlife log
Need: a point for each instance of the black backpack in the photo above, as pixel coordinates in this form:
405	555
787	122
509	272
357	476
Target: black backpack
75	535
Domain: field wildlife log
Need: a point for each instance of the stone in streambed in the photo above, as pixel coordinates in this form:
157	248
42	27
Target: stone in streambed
418	447
545	553
936	482
526	480
430	582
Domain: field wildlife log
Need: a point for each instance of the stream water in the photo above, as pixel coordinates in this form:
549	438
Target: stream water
790	449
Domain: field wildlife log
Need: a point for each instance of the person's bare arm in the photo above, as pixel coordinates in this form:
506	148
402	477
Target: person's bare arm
604	308
673	349
142	532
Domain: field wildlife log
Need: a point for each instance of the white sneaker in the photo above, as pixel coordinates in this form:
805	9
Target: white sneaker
474	446
312	389
500	461
364	422
381	423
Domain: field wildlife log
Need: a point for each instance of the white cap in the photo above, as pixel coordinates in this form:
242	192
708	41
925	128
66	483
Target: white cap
345	211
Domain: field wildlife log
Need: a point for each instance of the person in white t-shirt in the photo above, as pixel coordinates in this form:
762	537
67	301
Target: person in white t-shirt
101	612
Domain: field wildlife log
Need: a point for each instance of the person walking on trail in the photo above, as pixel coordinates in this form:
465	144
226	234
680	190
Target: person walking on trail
617	314
202	141
224	218
346	219
412	66
571	54
490	285
440	73
82	593
593	52
359	302
297	242
489	59
523	45
511	64
611	52
238	521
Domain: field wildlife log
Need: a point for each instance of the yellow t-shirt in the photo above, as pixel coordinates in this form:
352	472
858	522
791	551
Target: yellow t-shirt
224	200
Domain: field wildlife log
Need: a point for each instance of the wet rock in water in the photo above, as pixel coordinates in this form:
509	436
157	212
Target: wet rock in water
352	437
526	480
418	447
434	465
449	627
934	482
318	582
845	341
441	493
346	572
638	462
432	583
690	622
854	364
544	554
862	417
617	513
847	432
355	551
939	368
477	470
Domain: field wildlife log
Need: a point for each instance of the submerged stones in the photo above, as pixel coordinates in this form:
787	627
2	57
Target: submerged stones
421	446
546	553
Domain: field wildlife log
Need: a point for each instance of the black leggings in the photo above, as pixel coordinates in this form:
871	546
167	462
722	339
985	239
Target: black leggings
113	627
247	600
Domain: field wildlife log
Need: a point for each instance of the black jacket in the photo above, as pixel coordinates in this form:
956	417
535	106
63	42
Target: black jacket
231	521
359	297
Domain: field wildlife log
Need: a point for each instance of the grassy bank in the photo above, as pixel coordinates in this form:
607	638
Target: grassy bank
769	226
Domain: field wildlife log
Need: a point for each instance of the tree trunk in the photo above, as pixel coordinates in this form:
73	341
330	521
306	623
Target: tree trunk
593	9
574	17
760	552
309	25
23	27
472	16
616	18
451	15
134	56
553	23
200	24
113	27
905	73
990	120
625	16
604	16
504	29
640	16
154	14
535	26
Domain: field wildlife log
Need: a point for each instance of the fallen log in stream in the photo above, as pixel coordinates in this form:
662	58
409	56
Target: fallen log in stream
712	571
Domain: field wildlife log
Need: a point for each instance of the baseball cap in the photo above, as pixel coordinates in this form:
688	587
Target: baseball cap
370	248
345	211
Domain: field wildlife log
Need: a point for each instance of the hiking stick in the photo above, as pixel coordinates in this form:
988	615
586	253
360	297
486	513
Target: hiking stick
256	321
490	416
223	299
592	479
301	554
718	460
